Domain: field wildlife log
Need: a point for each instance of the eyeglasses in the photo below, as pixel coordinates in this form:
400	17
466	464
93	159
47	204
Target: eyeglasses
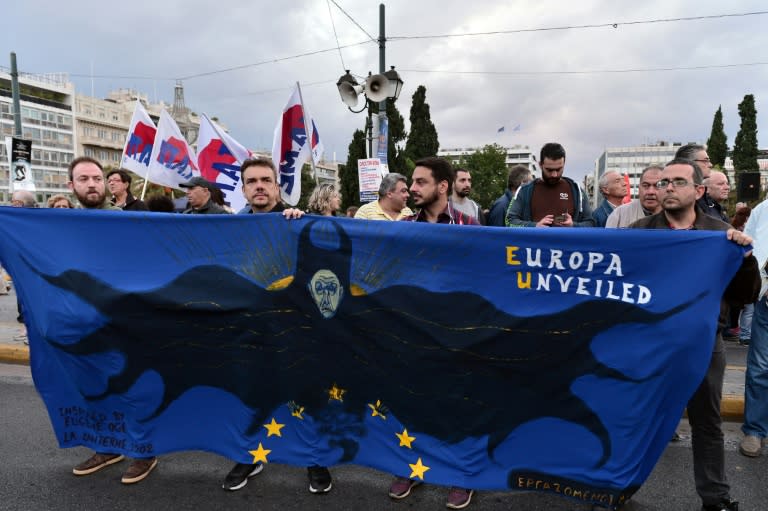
704	160
114	180
677	182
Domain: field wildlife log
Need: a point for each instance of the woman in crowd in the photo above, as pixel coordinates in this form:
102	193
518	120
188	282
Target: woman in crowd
60	201
325	200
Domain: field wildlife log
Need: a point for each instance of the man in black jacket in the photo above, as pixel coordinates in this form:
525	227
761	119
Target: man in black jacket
680	186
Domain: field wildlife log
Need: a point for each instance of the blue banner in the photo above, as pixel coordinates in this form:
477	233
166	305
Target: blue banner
522	359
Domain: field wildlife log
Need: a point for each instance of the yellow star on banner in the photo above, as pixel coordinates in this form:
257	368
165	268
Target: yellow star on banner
376	410
273	428
260	454
418	469
336	393
405	440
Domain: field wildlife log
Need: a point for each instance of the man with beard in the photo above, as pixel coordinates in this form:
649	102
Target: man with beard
393	194
646	204
552	201
86	182
681	185
460	200
431	187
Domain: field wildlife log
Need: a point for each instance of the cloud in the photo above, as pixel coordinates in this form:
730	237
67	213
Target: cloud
586	112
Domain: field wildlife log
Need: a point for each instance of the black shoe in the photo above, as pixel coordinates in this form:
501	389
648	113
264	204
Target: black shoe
726	505
319	479
238	476
744	342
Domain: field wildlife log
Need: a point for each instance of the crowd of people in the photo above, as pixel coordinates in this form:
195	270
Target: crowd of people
683	194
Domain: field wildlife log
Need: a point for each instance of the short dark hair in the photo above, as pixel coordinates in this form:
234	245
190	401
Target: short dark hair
259	162
552	150
516	176
82	159
160	203
125	177
688	151
441	170
698	175
655	166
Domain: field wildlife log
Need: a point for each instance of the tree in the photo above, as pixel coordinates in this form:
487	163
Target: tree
717	144
745	145
348	181
307	186
422	140
489	173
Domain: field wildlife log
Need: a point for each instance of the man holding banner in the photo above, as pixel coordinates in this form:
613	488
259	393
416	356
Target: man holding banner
680	186
86	182
433	179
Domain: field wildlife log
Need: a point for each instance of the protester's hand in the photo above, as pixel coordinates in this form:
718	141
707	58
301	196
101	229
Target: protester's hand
566	220
293	213
546	221
739	238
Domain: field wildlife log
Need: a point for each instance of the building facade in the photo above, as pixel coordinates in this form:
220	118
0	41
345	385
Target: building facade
47	119
631	161
62	125
515	155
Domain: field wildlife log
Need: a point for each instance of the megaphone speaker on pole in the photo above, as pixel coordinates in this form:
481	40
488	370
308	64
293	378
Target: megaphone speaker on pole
377	88
349	93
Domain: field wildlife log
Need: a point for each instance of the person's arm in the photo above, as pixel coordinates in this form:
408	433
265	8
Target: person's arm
515	215
585	216
612	221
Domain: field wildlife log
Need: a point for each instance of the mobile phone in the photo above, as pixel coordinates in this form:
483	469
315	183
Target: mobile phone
559	219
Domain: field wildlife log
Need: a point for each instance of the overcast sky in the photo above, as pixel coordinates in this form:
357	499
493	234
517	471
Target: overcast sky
469	99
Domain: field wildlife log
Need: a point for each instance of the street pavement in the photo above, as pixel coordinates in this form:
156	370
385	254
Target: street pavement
36	474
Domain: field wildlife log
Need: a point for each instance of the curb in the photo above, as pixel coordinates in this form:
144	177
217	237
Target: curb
731	406
11	354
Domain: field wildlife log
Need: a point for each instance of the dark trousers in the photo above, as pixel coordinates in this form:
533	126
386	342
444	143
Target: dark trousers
707	433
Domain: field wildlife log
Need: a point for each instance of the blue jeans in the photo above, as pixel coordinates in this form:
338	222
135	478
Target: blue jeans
745	322
756	382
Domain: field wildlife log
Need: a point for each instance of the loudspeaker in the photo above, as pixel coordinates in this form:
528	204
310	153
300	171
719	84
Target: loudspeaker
749	186
377	88
349	93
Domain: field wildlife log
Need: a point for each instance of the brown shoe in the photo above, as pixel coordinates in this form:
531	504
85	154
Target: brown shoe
96	462
138	470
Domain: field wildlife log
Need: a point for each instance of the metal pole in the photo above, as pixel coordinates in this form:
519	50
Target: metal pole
382	63
369	133
15	94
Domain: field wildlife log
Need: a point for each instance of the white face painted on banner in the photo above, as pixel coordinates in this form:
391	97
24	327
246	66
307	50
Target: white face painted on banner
326	291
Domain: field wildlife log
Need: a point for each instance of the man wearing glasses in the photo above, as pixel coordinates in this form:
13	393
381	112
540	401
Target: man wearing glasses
679	188
698	154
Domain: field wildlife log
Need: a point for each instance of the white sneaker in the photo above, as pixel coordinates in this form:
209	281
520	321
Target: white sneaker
751	446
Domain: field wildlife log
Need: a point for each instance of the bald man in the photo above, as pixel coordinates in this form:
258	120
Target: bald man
717	189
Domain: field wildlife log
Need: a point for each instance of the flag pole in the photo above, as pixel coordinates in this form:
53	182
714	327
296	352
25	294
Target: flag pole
144	188
308	130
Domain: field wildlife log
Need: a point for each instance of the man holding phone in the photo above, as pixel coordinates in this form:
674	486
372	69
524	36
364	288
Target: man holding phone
552	201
